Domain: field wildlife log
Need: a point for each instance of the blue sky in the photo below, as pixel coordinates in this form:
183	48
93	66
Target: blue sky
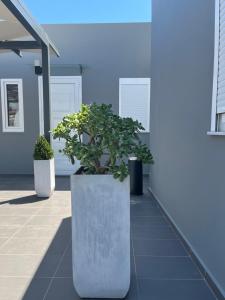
90	11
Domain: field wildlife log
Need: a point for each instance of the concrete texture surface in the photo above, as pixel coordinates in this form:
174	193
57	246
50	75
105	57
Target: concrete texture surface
36	250
100	236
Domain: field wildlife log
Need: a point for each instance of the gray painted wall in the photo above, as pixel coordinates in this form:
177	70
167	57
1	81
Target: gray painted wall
189	171
107	51
16	149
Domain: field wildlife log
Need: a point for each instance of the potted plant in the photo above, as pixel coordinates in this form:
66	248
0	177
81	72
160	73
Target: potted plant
44	168
102	142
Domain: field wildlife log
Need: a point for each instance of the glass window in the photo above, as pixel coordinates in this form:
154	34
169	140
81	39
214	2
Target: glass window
221	122
12	105
218	102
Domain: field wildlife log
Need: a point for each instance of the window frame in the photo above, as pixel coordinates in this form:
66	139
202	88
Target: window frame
136	81
214	118
5	127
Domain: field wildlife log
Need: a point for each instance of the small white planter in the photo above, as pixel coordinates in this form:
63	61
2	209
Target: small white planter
100	236
44	177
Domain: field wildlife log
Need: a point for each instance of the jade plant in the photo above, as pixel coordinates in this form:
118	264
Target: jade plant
42	149
101	140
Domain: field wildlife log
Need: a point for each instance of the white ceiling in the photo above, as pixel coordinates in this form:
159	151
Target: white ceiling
10	28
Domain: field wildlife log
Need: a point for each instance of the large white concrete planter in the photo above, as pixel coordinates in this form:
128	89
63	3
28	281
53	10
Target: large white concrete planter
100	236
44	177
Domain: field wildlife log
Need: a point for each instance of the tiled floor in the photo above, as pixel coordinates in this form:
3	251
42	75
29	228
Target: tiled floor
35	248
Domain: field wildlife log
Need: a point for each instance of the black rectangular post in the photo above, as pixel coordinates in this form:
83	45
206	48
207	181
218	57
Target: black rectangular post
46	89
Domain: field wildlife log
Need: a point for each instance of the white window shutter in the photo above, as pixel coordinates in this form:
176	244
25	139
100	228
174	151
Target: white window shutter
221	60
134	100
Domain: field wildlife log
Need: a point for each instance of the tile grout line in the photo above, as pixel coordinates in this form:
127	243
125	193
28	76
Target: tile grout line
135	269
174	231
38	277
56	270
21	254
152	226
161	256
203	277
34	215
152	239
170	279
191	258
181	242
188	252
135	265
19	229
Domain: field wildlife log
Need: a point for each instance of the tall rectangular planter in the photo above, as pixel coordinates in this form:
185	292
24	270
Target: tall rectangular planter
100	236
44	177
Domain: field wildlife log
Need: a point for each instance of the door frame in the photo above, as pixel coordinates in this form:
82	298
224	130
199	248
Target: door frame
76	80
55	79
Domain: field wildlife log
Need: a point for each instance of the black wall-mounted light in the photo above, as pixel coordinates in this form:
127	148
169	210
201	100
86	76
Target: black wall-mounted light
37	67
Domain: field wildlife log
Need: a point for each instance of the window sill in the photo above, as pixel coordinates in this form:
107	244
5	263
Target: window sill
215	133
13	130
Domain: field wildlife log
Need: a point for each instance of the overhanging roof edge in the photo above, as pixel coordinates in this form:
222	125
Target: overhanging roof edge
18	9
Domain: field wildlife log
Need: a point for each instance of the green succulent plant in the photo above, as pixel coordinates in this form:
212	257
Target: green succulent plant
101	140
42	149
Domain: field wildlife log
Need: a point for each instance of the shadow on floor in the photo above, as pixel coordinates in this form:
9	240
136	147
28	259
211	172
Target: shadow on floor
56	263
161	267
53	278
23	200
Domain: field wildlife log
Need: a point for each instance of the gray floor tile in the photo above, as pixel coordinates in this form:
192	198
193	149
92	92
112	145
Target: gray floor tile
174	290
145	209
132	264
22	288
135	201
47	266
36	289
62	288
147	221
158	247
45	221
18	211
13	220
132	294
25	246
28	265
59	244
2	241
30	231
153	232
59	199
166	268
34	246
7	231
48	234
146	197
18	265
55	211
65	268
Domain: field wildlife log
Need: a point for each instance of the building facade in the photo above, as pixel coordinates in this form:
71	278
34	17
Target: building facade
98	55
188	175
